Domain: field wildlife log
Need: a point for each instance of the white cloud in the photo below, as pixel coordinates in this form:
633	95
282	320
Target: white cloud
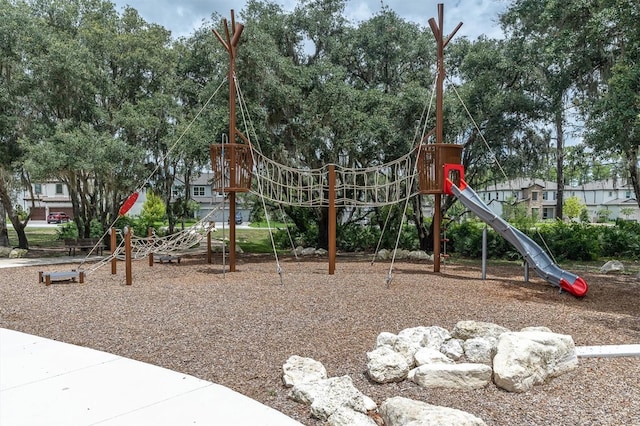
478	16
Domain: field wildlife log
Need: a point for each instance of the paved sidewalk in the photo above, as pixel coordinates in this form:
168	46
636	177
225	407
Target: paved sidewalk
46	382
54	260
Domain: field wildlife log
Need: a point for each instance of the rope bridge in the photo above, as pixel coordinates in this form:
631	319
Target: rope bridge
382	185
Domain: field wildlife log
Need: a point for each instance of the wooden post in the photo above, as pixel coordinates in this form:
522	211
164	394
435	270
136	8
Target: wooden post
209	246
150	235
332	219
438	33
127	254
230	43
113	244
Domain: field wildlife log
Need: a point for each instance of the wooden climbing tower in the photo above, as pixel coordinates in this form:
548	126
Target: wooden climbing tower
231	160
434	157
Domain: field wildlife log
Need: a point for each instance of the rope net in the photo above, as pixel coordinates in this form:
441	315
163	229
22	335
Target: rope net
376	186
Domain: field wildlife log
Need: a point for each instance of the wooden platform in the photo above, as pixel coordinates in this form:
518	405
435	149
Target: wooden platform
166	258
49	277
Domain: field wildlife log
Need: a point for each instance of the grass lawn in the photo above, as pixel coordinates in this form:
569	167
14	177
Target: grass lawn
39	237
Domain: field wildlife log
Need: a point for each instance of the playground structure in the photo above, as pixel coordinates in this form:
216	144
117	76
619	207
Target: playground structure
433	168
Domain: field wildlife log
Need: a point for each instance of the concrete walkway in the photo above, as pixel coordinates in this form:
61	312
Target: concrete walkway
46	382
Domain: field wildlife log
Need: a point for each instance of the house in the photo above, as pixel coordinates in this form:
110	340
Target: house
608	198
211	203
53	196
48	196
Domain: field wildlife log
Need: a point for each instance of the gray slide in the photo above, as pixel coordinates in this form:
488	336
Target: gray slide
535	256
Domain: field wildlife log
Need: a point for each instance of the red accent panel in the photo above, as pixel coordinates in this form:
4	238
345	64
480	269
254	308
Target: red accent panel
129	202
448	168
579	287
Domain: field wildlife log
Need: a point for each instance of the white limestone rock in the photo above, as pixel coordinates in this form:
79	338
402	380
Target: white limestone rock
431	356
537	328
309	251
453	348
404	346
399	411
345	416
321	252
525	359
298	369
383	254
454	376
612	266
480	350
327	396
18	253
385	365
433	336
469	329
420	255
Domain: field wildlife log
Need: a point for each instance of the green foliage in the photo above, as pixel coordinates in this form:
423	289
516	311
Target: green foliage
516	213
621	240
584	216
572	207
67	230
153	210
70	230
569	241
603	214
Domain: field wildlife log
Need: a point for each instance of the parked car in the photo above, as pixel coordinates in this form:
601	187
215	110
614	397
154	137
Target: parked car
58	217
238	219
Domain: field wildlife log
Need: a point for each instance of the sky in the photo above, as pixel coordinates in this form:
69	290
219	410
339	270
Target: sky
182	17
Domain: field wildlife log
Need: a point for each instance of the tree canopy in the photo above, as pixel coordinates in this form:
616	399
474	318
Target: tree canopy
109	103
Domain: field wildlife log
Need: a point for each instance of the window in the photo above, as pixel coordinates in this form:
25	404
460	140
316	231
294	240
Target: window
198	191
610	193
545	195
497	196
555	195
37	188
534	196
59	189
627	194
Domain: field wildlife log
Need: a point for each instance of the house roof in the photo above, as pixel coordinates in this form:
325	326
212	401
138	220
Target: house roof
526	183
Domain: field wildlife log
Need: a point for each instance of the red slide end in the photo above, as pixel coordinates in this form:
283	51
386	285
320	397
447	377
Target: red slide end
579	287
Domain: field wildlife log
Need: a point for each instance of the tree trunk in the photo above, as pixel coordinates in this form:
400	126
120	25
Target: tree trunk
559	122
425	233
18	226
323	229
4	232
631	155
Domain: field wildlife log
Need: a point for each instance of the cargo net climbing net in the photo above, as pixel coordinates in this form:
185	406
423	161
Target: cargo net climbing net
382	185
173	244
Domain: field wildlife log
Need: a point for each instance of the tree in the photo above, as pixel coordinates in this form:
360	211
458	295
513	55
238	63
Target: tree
572	207
19	35
153	209
614	124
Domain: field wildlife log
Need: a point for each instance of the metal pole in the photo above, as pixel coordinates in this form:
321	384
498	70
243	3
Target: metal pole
150	235
332	219
127	254
484	253
526	271
112	242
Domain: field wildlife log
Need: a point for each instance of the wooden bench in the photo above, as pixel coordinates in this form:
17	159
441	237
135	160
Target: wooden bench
83	244
166	258
49	277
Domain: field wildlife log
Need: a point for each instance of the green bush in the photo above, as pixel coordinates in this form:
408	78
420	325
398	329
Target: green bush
621	240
